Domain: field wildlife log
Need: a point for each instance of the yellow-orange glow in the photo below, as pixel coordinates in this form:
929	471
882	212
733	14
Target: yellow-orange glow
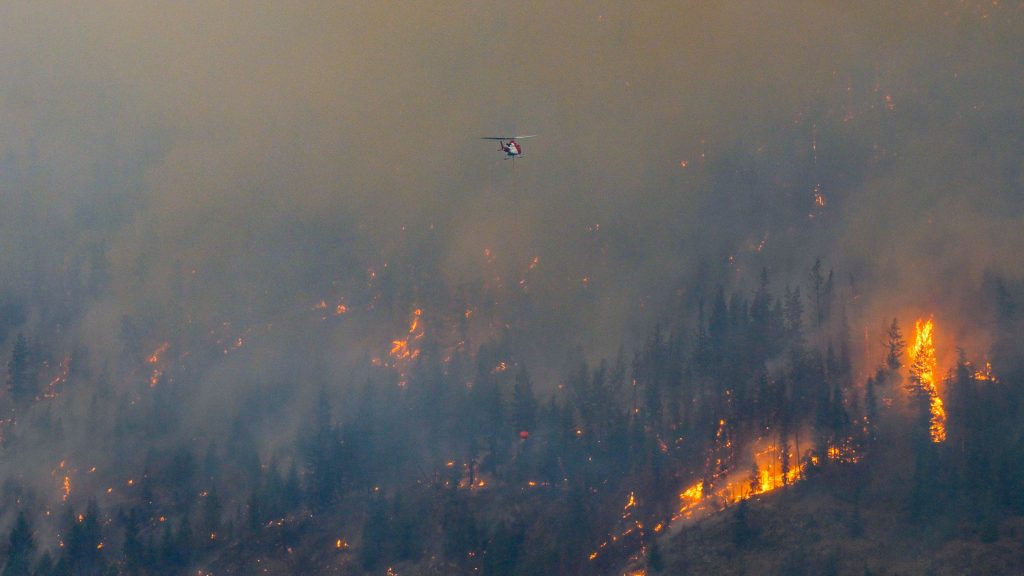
155	356
819	198
67	486
154	360
733	486
922	368
984	374
405	349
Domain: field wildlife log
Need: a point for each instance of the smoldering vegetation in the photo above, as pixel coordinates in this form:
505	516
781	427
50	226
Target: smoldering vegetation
266	301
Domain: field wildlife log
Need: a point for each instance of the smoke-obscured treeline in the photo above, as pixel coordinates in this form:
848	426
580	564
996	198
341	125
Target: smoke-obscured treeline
450	460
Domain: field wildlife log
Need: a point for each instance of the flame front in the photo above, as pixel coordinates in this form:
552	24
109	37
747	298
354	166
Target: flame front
766	475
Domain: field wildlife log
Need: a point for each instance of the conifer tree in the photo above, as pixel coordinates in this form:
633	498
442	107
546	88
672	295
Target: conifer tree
20	374
895	345
21	548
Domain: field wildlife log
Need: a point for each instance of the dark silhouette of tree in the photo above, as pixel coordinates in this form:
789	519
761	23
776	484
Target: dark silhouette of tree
655	559
136	554
871	410
376	529
21	548
820	291
210	519
793	312
524	403
743	531
82	551
320	450
21	376
895	345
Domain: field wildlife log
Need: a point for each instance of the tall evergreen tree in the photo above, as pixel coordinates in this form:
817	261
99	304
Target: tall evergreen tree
21	379
895	345
319	449
21	548
83	552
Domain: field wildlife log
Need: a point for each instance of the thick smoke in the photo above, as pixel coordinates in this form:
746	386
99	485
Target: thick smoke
189	170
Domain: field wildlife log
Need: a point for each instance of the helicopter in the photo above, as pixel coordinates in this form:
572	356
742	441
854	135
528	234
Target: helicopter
509	145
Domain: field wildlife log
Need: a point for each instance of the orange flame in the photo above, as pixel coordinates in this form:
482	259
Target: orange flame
922	370
984	374
406	348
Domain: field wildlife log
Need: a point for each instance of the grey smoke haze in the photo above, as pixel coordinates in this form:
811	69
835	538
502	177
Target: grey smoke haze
237	163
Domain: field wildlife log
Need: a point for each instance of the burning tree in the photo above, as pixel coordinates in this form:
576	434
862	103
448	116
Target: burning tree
922	378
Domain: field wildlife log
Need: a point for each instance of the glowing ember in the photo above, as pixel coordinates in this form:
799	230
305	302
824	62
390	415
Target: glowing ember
67	487
153	360
819	198
984	374
922	376
405	349
158	353
60	379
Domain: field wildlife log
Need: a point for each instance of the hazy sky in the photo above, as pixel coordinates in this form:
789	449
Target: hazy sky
240	160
